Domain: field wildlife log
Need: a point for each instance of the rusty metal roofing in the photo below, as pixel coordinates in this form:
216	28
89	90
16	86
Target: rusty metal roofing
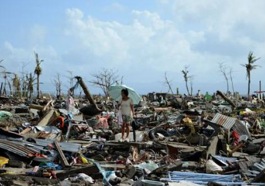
229	122
16	148
225	121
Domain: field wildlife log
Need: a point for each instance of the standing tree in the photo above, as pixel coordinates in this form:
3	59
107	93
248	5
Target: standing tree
231	79
186	78
16	85
1	72
58	85
249	67
223	70
6	76
23	80
38	71
168	84
105	79
191	85
30	83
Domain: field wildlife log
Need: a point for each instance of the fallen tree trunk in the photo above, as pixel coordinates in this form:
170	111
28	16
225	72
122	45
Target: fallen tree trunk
226	99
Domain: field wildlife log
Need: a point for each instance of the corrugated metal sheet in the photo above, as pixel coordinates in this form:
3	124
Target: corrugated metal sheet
66	146
229	122
242	128
16	148
204	179
225	121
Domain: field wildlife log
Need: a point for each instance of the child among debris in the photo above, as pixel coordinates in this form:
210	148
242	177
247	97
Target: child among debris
127	112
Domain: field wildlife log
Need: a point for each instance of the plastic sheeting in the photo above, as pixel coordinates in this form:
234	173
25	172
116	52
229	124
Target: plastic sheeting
175	175
204	179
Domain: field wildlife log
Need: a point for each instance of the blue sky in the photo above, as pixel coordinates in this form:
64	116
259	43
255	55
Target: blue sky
141	40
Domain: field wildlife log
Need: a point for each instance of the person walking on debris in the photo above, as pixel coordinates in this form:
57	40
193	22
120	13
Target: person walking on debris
127	112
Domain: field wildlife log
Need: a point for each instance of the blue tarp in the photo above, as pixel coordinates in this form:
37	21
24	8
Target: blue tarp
204	179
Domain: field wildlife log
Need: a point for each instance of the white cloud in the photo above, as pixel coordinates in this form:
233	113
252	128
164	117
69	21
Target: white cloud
115	7
199	34
37	35
152	44
100	38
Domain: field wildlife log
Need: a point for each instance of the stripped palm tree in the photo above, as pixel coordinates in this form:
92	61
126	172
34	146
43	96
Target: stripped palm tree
16	84
30	83
249	67
38	71
186	78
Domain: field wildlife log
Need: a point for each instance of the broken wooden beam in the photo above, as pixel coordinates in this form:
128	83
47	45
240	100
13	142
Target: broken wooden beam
61	154
45	120
37	107
90	170
226	99
213	147
50	103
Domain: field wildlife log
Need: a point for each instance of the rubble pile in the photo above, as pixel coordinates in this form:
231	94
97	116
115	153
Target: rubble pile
174	140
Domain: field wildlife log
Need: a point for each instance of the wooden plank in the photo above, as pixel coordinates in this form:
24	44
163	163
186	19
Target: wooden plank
25	131
181	145
113	166
45	120
34	106
47	105
61	154
90	170
212	148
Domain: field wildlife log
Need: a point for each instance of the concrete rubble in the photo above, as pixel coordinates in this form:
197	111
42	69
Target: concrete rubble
174	140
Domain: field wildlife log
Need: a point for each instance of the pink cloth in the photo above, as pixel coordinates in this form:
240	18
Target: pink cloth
102	123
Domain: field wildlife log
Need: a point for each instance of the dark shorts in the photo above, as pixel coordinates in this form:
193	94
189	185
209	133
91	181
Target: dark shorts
126	119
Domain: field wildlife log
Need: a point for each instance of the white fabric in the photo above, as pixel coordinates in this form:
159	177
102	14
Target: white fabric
119	118
126	107
211	167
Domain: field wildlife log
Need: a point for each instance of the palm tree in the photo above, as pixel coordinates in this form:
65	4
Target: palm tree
38	71
249	67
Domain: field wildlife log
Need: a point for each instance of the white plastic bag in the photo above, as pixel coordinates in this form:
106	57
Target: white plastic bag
212	167
119	118
84	177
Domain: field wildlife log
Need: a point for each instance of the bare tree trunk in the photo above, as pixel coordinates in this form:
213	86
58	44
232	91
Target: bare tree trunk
1	89
38	86
191	88
249	86
10	88
87	93
30	94
168	84
232	82
223	71
226	99
187	87
227	84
